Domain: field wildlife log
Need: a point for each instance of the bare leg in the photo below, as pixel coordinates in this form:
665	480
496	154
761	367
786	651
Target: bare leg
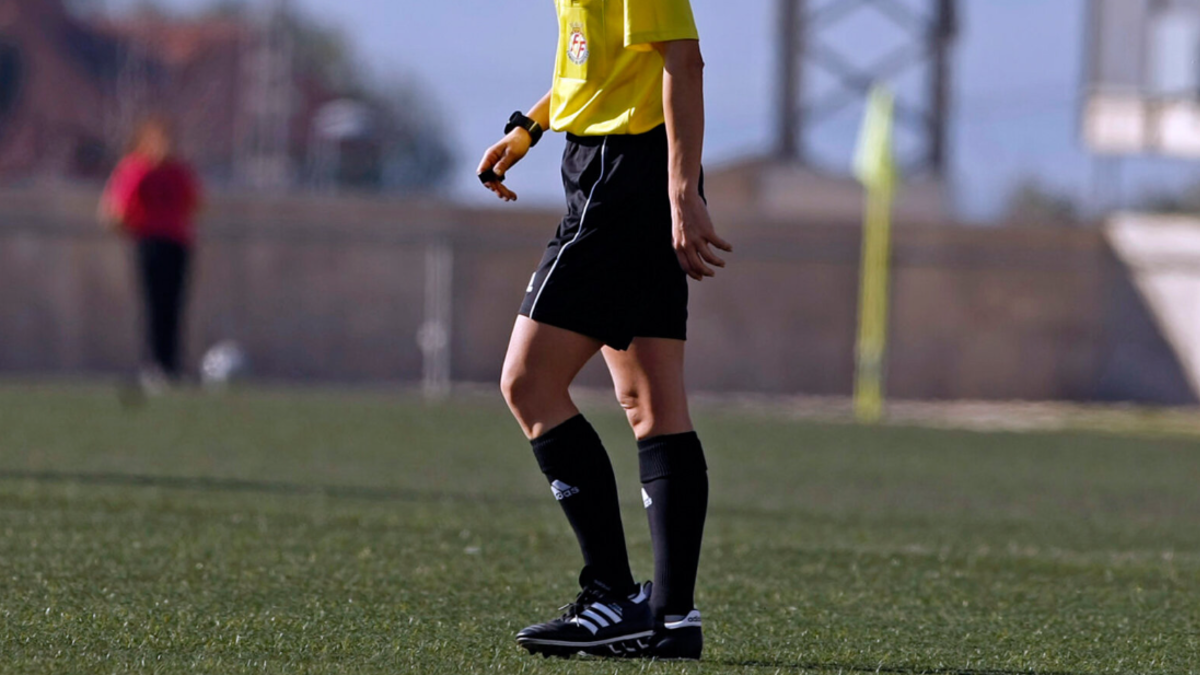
542	360
541	363
649	384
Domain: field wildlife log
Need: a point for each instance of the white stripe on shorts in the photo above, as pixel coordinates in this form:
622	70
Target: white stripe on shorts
582	217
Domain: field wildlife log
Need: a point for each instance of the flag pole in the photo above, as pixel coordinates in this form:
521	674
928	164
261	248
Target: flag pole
875	168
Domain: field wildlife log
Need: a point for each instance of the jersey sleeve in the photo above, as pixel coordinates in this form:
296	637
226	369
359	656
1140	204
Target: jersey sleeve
650	21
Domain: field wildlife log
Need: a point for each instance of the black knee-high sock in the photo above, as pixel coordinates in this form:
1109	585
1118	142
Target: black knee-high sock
675	492
581	476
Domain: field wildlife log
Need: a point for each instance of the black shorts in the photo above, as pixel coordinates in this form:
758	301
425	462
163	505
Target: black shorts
610	272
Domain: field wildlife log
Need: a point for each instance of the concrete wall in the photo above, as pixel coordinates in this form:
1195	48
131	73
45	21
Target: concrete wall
1162	254
335	290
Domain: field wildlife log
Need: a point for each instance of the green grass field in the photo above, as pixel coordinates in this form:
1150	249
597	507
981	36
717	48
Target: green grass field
277	532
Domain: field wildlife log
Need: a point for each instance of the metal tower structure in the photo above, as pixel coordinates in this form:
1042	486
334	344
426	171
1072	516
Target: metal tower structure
267	100
132	91
928	28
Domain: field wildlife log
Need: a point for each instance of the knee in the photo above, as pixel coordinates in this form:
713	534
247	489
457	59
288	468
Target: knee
637	409
526	392
654	412
516	386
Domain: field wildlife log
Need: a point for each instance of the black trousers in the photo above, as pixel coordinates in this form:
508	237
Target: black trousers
163	269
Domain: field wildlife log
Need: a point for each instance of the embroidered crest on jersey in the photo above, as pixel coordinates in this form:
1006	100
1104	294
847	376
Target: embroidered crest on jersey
577	45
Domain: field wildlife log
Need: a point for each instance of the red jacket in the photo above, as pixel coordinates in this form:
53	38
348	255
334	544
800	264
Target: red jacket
158	201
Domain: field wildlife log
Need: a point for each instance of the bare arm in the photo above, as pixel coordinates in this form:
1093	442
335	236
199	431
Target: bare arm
512	148
108	216
540	112
108	212
683	101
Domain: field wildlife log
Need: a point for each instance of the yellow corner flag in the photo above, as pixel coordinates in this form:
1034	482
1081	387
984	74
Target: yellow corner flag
875	168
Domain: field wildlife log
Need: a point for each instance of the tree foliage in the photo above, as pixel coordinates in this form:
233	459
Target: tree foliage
409	144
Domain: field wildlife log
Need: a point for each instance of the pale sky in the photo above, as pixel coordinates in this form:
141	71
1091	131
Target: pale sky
1016	83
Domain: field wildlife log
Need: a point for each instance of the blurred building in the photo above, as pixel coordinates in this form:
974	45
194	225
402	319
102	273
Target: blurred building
71	88
773	189
53	91
323	287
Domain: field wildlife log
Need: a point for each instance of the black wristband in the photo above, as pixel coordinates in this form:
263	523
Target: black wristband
520	121
490	176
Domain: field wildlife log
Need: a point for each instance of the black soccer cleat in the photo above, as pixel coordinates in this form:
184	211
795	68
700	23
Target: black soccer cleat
598	623
678	637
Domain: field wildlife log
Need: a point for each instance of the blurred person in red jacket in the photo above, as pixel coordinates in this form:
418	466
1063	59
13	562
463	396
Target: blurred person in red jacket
153	196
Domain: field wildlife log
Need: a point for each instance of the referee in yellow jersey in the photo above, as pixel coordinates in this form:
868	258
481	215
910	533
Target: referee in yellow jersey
628	91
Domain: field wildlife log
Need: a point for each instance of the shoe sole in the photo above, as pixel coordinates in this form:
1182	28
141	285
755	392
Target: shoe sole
640	649
678	645
630	648
565	649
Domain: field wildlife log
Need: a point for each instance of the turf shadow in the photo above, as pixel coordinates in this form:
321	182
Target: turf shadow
883	668
212	484
288	489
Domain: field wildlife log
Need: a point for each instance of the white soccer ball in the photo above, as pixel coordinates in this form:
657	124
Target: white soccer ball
223	363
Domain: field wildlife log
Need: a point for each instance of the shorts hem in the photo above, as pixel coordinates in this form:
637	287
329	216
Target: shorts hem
620	342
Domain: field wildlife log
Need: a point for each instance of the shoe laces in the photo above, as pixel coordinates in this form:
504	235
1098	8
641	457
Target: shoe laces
582	601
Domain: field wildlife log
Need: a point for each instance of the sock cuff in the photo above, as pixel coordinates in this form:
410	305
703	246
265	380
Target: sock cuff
570	445
673	455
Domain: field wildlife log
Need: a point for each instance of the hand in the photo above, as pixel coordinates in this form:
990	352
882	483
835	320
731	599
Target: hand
501	157
107	216
695	236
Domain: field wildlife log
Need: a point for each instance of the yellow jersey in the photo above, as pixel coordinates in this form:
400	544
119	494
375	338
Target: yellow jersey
608	78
